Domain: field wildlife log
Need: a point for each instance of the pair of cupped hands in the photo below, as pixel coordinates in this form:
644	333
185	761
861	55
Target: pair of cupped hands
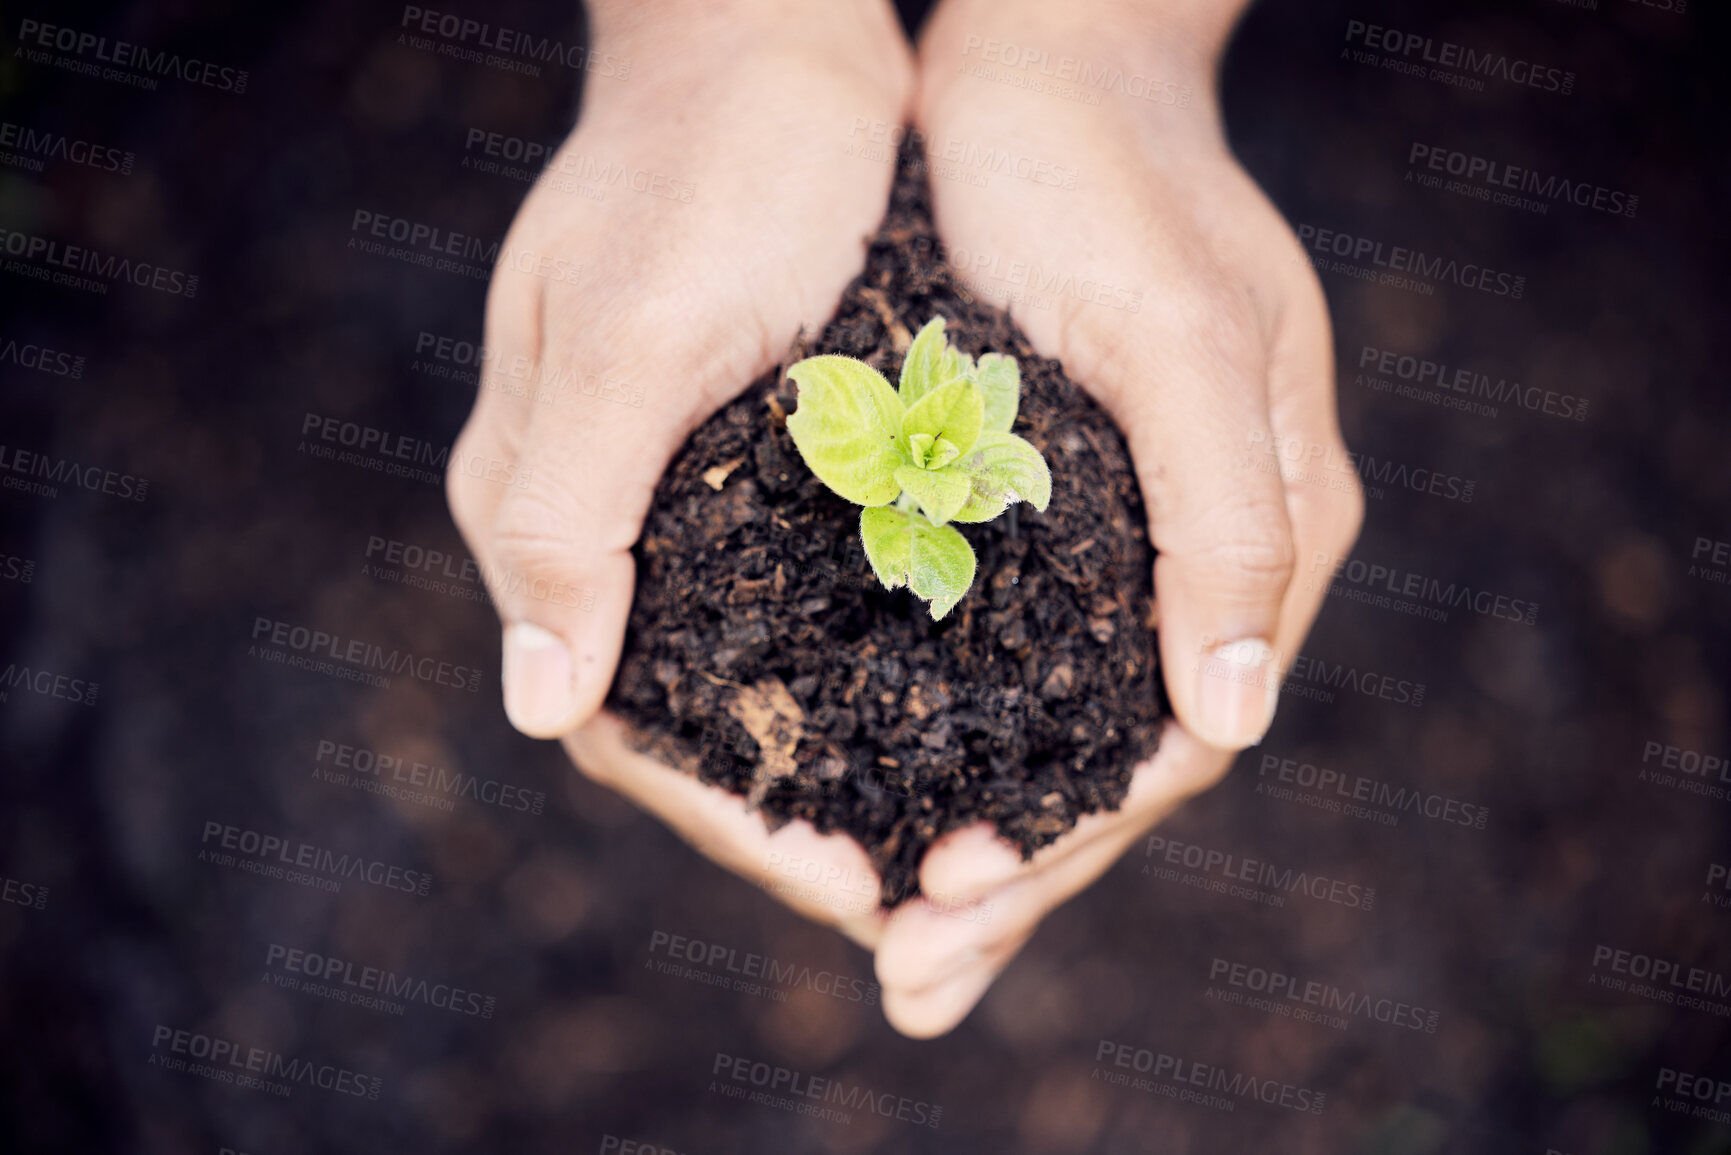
752	125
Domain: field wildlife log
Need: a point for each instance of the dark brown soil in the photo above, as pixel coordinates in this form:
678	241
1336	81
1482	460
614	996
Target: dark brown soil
763	655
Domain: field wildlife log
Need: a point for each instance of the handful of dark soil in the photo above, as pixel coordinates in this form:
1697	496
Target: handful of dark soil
763	656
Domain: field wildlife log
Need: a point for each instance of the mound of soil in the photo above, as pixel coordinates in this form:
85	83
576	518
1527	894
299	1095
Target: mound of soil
763	655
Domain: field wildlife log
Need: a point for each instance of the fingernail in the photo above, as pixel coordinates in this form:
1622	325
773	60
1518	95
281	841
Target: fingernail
1237	688
540	682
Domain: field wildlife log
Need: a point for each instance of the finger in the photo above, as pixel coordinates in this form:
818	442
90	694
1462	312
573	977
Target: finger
932	976
826	877
1192	399
969	864
492	438
559	545
1326	504
937	1010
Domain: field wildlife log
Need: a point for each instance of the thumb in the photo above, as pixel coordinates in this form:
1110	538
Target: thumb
558	561
1219	519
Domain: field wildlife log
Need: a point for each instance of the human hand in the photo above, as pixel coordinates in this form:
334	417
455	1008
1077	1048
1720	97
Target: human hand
749	223
1211	348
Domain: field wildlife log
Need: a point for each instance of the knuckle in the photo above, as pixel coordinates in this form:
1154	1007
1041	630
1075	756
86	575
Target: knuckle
1250	552
529	533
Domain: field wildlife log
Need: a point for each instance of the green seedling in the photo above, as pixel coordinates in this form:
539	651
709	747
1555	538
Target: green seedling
937	449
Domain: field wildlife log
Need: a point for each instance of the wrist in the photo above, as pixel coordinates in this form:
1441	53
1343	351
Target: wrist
1154	52
672	39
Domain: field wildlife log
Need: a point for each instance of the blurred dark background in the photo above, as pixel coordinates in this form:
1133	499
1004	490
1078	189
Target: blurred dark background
113	929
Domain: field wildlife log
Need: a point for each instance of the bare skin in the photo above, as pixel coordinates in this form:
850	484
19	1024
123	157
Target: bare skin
1227	352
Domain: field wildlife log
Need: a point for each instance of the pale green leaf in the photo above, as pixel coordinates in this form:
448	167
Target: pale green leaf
920	448
942	568
940	492
953	411
942	452
848	427
886	533
930	452
906	549
920	365
952	365
1000	381
1002	468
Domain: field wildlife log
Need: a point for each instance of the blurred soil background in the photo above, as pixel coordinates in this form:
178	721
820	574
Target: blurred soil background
555	915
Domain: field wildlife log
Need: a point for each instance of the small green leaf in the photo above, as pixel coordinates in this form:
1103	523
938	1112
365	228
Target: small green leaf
942	569
920	448
920	365
953	364
1002	468
1000	381
885	533
953	411
936	562
930	452
940	492
848	427
942	452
